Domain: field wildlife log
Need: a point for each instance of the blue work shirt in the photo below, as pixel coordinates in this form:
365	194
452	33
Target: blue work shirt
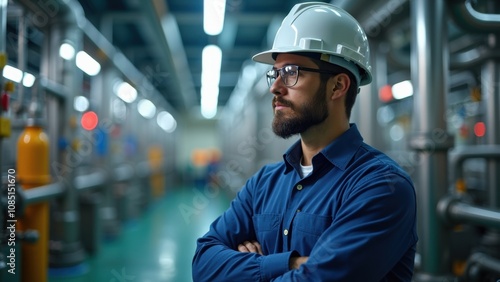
354	216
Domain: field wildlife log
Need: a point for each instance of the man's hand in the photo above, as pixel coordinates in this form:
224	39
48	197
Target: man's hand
250	247
295	262
254	247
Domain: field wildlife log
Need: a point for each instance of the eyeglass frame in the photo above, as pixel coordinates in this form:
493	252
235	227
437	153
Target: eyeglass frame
281	72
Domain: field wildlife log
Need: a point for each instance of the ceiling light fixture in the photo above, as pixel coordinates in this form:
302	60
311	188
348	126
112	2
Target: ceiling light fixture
210	77
87	64
213	16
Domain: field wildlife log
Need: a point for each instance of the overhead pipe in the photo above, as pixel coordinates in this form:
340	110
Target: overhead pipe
124	66
375	15
463	13
385	13
147	24
469	19
72	11
472	21
463	60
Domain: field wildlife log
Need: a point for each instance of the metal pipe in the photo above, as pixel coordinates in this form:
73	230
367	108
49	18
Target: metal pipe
22	44
43	193
90	181
82	183
429	69
72	11
367	105
460	212
169	43
53	88
463	60
472	58
478	263
490	88
471	20
3	24
66	27
53	190
460	155
104	84
375	16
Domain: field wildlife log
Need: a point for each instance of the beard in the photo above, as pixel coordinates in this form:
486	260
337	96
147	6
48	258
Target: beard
302	117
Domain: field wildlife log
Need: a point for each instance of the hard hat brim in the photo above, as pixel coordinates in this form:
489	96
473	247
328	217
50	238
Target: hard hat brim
266	57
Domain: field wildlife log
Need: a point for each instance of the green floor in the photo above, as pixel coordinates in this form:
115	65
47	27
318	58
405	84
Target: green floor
159	245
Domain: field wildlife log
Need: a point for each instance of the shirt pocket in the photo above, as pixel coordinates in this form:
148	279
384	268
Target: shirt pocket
307	228
267	228
266	222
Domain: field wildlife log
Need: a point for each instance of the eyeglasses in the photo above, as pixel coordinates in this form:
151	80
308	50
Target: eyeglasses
290	74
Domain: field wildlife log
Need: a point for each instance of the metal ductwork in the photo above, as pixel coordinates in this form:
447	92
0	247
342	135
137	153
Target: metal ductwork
71	11
168	42
471	20
376	16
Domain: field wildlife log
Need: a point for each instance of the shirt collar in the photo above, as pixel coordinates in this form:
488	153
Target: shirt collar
339	152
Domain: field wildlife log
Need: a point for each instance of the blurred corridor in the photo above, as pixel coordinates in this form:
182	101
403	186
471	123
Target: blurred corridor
157	246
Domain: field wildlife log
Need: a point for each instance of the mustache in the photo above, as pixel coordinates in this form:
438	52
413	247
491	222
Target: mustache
281	101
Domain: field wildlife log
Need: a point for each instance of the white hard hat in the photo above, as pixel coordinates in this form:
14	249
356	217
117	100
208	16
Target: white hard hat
318	27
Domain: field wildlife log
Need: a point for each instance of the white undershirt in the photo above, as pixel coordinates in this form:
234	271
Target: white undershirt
306	170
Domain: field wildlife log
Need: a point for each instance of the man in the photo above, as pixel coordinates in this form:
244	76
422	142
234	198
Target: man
335	209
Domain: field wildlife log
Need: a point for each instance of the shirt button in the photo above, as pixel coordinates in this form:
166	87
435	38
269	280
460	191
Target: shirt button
299	187
285	232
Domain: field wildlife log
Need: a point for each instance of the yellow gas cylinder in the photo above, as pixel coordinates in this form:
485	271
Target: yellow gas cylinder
33	171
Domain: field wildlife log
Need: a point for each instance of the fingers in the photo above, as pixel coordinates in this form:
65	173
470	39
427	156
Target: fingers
258	247
250	247
243	249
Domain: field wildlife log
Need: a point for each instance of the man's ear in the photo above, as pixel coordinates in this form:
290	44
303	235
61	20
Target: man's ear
340	85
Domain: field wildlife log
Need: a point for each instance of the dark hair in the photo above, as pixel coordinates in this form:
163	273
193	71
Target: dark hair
352	92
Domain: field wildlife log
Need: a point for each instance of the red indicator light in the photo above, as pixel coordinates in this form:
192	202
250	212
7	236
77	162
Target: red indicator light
89	120
385	93
480	129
